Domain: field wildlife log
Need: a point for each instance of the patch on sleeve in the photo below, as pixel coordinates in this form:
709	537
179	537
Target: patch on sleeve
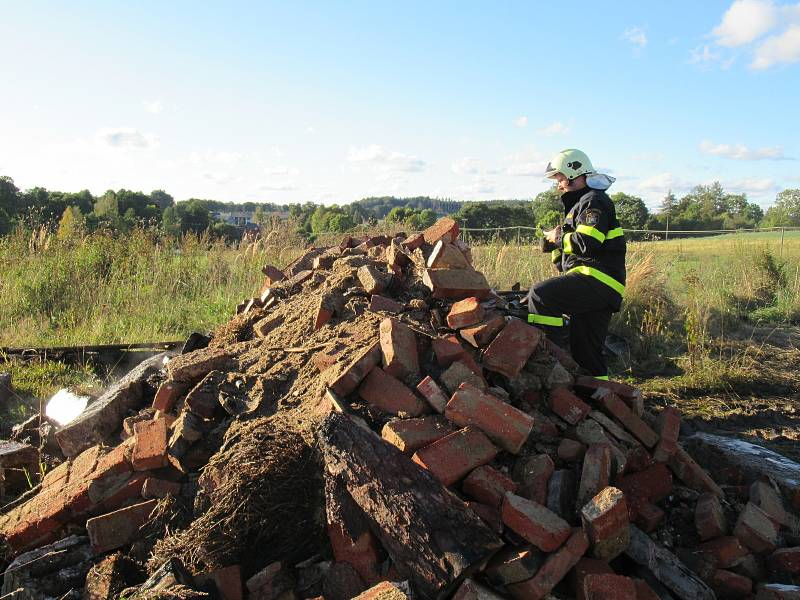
592	216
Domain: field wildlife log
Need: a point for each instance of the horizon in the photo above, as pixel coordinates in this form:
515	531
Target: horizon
336	103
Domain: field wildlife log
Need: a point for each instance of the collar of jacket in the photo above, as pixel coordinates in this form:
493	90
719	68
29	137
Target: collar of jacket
570	199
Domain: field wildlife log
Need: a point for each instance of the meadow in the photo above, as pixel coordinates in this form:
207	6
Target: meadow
684	296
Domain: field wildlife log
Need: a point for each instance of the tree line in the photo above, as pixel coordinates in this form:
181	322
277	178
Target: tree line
705	207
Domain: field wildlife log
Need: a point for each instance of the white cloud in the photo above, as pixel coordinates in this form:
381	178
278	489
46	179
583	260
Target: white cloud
466	166
126	137
636	36
742	152
555	128
778	49
703	55
745	21
752	185
277	187
210	157
648	157
385	160
661	182
153	106
527	164
282	170
521	121
221	178
311	129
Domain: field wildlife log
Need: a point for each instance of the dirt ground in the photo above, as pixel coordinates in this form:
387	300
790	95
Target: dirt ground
761	403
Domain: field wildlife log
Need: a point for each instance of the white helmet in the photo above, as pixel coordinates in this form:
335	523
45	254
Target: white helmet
571	163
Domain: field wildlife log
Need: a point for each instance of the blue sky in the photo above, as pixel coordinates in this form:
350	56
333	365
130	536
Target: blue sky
334	101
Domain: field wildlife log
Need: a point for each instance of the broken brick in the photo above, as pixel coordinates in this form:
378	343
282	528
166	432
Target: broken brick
482	334
447	256
192	367
155	488
730	585
608	587
648	516
692	474
756	530
505	425
488	514
464	313
264	326
384	392
488	485
605	520
533	474
452	457
595	473
272	274
668	427
644	591
768	499
444	230
561	493
458	374
568	406
431	391
652	484
409	435
150	449
119	528
785	560
398	348
615	407
447	350
554	569
709	519
379	303
414	241
726	551
168	394
512	565
454	284
347	379
570	450
272	582
534	522
512	348
632	396
385	590
372	280
586	566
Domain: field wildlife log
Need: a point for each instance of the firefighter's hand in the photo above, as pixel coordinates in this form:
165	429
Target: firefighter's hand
553	235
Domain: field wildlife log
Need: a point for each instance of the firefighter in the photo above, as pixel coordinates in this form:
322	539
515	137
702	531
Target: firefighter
589	250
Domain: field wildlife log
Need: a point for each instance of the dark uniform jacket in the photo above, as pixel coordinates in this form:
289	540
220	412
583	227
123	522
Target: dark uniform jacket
592	242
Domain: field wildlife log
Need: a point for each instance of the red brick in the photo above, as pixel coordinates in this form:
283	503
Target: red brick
83	464
652	484
488	485
323	315
168	394
471	590
228	582
409	435
382	303
464	313
608	587
632	396
648	516
57	477
447	350
459	373
272	274
615	407
637	459
39	519
271	582
159	488
709	519
756	530
768	499
119	528
382	391
372	280
553	571
398	348
568	406
570	450
512	565
561	493
586	566
453	284
512	348
347	380
605	520
150	449
363	553
534	522
726	551
561	355
668	427
431	391
118	460
730	585
384	590
533	474
452	457
111	497
692	474
414	241
488	514
595	473
447	256
505	425
445	229
644	591
482	334
785	560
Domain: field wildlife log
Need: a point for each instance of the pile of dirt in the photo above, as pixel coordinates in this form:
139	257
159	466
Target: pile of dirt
376	423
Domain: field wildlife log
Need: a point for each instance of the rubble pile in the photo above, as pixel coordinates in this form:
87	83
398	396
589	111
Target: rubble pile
374	424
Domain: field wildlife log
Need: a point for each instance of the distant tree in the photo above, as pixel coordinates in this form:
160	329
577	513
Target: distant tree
427	217
161	199
786	210
171	221
106	206
194	215
632	212
71	224
341	222
667	204
260	217
547	208
5	222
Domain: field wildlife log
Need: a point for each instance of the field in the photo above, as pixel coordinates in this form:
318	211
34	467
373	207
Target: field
710	323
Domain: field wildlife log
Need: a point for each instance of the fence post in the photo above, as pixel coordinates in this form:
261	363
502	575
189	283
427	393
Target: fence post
783	230
519	234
